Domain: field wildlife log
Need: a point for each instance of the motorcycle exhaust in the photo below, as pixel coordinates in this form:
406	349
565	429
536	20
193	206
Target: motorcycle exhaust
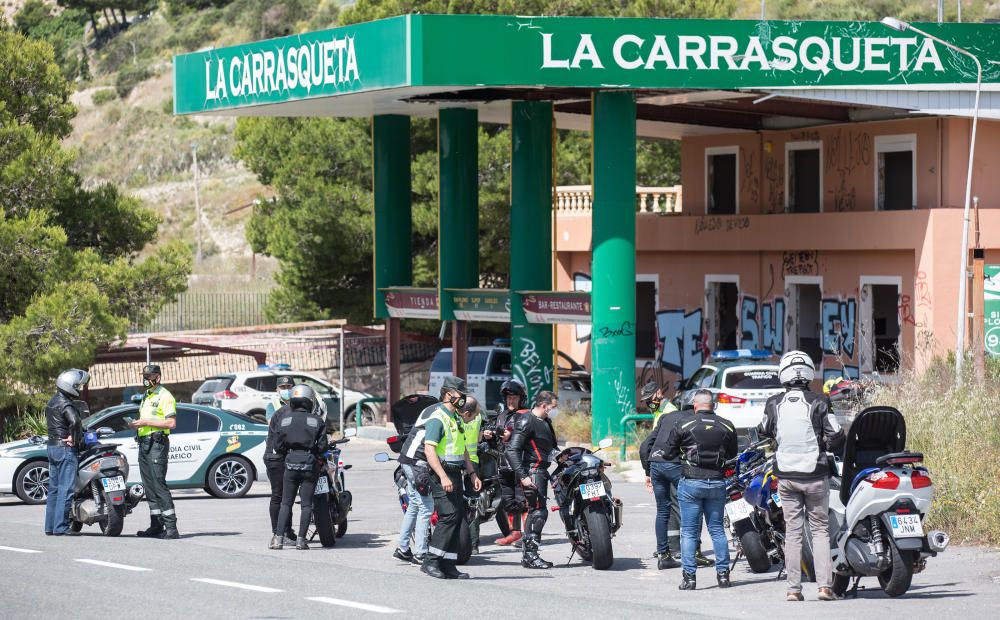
135	494
938	541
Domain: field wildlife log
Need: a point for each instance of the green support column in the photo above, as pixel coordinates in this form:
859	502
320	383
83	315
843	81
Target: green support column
393	218
613	268
531	238
393	263
458	216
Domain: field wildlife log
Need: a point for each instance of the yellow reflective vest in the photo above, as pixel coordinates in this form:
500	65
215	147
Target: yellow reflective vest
157	404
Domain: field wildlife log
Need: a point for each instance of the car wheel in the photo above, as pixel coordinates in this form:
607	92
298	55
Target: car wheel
367	417
230	477
31	483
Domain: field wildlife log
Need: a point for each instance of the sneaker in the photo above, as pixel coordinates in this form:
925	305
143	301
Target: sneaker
701	560
666	560
418	559
827	594
403	555
794	597
276	543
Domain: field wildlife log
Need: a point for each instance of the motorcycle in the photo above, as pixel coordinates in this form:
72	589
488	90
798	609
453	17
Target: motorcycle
590	513
100	495
755	518
331	500
878	507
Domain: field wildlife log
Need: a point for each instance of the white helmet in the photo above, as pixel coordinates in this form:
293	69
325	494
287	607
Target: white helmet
71	381
796	367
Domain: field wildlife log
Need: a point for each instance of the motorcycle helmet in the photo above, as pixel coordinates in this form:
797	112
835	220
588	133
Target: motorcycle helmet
514	387
796	368
303	397
71	381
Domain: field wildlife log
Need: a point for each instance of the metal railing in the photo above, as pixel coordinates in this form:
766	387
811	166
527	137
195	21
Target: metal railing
577	199
208	311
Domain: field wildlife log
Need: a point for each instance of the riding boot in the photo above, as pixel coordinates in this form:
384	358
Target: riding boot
530	557
451	571
432	566
723	578
688	581
154	530
301	545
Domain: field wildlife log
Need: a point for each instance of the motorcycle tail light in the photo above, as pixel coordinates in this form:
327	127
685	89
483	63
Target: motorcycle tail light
774	484
392	439
884	480
736	496
920	480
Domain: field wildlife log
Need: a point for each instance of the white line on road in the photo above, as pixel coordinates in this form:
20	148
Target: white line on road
233	584
362	606
18	550
113	565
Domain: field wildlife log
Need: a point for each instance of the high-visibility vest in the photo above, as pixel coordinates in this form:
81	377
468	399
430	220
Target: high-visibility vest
451	448
157	404
472	438
665	407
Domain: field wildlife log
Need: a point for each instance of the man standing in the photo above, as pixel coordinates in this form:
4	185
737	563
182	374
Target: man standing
515	403
444	449
529	450
472	422
274	462
157	417
62	420
803	425
662	477
704	442
417	518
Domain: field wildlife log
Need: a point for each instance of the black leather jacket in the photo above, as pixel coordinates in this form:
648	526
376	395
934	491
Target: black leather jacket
704	441
272	433
531	444
63	420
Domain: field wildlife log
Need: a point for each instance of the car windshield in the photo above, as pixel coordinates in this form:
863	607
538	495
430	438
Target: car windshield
753	379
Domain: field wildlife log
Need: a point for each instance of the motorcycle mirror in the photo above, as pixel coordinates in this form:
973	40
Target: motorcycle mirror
607	442
36	440
351	432
382	457
105	431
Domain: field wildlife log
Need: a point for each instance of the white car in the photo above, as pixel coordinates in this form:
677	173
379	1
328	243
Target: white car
742	381
250	393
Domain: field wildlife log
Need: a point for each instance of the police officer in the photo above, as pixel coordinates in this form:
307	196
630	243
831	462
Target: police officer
529	450
472	421
157	417
662	476
62	420
273	462
704	442
514	403
444	449
301	440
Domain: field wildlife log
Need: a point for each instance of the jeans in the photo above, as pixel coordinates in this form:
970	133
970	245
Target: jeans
699	497
798	501
665	477
63	463
417	519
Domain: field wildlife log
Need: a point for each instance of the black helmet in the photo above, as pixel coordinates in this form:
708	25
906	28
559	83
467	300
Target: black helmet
514	387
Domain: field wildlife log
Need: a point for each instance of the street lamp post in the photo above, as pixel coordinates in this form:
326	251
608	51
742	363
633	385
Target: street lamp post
963	315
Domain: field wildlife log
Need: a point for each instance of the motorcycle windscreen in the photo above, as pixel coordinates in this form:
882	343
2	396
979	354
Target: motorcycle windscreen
875	432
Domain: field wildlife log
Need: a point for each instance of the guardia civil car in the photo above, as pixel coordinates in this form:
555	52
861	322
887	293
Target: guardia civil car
219	451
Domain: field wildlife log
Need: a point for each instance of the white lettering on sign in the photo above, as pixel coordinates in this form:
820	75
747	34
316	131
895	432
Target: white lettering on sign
783	53
320	63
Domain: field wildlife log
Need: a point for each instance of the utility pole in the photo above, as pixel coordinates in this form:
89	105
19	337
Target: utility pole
978	304
763	9
940	11
197	200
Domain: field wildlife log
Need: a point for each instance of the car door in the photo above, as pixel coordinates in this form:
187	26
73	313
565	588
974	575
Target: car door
189	448
124	437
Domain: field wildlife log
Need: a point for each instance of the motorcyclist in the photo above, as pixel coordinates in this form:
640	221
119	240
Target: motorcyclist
514	402
662	477
301	440
273	462
803	425
65	435
530	449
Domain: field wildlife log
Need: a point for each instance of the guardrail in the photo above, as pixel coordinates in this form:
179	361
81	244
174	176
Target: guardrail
357	409
632	417
577	199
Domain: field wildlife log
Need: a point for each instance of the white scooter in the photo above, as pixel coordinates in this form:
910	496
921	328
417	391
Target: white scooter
877	511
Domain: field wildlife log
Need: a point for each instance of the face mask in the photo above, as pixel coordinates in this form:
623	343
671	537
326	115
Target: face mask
146	383
553	412
284	394
458	401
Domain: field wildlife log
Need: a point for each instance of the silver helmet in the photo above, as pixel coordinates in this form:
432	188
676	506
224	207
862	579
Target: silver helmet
304	397
71	381
796	368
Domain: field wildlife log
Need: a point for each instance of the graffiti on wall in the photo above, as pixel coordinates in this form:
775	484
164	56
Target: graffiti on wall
802	263
763	325
844	153
839	320
749	183
682	340
921	298
530	369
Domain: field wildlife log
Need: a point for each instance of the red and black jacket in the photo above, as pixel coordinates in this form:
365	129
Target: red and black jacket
531	443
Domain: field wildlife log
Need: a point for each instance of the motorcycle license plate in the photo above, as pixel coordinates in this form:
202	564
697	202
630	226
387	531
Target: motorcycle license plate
322	485
113	484
777	499
592	490
906	526
738	510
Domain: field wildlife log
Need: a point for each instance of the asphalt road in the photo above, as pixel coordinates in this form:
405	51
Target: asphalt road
221	568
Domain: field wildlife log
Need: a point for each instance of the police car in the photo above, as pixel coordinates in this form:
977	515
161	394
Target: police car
742	380
218	451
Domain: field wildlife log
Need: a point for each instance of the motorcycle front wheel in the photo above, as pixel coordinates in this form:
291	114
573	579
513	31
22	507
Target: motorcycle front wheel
599	534
322	520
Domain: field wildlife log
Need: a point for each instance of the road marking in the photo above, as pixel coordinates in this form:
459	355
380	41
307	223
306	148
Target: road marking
18	550
362	606
113	565
233	584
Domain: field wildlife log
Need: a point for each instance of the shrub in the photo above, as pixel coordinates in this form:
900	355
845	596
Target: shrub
24	425
129	77
103	96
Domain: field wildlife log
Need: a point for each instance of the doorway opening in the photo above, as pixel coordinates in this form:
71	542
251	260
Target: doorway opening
806	301
722	298
881	331
721	181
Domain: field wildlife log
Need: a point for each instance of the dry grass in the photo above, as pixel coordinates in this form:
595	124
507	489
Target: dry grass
572	426
958	432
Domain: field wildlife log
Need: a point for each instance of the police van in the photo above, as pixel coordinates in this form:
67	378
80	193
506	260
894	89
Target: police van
487	367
